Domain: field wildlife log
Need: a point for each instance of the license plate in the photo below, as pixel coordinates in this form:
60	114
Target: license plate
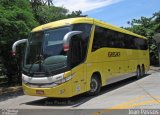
40	92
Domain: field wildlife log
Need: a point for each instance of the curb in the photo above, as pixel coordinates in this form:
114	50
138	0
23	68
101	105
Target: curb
155	68
10	90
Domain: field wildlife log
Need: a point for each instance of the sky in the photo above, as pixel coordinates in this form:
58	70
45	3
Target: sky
116	12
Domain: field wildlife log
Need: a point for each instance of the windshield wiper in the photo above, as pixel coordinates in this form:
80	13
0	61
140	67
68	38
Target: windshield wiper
32	65
40	59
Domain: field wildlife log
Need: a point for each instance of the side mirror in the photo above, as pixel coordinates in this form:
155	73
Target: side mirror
67	37
16	44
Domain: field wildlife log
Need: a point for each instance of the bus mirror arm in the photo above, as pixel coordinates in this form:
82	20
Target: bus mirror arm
16	44
67	37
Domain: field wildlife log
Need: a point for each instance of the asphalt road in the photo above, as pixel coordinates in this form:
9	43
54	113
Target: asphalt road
127	94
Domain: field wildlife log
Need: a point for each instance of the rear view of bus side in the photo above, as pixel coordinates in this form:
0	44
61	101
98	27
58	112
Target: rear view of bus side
115	54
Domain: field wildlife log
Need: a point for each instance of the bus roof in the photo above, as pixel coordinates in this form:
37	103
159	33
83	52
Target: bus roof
70	21
63	22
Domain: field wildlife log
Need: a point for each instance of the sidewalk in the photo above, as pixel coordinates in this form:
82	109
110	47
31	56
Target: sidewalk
155	68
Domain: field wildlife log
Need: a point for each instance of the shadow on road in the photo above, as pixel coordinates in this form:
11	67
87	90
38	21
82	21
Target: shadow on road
7	96
82	98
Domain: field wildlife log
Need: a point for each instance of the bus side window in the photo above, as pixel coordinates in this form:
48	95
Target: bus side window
99	37
76	51
84	37
104	37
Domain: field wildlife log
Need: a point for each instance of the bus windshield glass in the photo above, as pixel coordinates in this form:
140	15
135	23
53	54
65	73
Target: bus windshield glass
44	52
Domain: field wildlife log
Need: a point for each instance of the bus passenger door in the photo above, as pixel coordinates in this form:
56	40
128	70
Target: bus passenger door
78	70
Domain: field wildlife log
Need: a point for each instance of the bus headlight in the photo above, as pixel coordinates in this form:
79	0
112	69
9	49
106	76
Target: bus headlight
63	80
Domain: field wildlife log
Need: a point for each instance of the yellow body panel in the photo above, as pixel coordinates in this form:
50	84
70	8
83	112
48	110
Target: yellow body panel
97	61
110	67
79	79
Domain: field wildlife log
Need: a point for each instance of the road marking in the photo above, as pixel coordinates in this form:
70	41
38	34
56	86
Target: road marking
129	104
143	103
122	105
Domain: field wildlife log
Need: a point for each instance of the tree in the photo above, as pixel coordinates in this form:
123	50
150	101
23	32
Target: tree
148	27
48	2
35	4
16	21
44	11
46	14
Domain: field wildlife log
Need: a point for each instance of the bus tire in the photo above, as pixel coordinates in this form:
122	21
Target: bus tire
95	85
143	71
138	72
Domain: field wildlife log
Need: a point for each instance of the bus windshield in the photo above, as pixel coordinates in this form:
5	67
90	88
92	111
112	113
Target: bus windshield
44	52
45	55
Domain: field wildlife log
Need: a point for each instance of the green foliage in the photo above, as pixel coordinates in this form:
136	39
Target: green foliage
48	13
16	19
45	14
75	14
148	27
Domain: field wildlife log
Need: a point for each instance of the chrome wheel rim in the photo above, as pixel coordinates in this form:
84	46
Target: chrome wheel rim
93	85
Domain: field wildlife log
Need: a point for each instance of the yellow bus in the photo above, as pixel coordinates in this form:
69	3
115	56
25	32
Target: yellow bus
72	56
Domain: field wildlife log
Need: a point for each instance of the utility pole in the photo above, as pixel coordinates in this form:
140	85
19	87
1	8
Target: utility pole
156	37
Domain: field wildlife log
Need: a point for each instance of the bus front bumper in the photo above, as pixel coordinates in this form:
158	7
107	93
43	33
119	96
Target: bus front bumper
63	90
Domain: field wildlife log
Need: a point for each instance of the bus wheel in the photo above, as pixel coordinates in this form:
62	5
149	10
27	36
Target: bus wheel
138	72
143	71
95	85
